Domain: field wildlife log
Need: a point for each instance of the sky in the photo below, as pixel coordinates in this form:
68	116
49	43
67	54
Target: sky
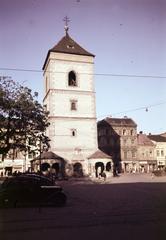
127	37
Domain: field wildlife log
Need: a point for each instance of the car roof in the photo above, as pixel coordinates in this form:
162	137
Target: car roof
28	177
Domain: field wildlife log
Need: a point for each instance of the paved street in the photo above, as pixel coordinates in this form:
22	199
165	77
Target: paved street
96	210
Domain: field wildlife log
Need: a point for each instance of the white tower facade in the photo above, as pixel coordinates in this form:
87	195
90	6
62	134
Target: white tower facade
70	100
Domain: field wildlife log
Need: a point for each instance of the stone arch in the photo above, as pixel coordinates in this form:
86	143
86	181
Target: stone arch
72	81
77	169
45	166
56	168
99	168
108	166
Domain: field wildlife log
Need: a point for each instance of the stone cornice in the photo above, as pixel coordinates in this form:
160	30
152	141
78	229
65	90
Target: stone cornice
80	92
73	118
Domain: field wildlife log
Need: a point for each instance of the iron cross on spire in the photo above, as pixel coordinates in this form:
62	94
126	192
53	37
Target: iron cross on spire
66	20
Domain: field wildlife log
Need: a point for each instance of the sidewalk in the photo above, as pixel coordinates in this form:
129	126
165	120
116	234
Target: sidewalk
122	178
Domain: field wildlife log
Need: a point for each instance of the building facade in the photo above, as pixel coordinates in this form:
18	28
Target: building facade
100	162
118	138
70	100
15	162
160	150
145	154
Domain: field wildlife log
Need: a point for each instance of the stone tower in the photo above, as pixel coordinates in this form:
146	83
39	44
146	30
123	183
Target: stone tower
70	99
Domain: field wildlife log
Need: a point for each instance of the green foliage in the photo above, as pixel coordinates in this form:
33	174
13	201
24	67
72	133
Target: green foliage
21	117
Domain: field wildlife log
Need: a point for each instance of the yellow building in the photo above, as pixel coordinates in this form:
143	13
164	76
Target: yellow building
146	160
160	149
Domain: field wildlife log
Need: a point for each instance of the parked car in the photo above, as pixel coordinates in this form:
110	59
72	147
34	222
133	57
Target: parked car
31	190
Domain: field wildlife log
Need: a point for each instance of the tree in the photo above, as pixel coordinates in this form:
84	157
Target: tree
21	117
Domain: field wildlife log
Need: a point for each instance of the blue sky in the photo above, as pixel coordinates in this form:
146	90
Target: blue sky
128	37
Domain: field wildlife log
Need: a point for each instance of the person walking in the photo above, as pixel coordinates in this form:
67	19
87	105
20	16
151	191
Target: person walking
103	175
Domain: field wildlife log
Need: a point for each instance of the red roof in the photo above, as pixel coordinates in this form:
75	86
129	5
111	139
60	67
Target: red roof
144	140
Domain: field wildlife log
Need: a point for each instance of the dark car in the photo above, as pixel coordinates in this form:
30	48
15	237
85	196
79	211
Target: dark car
31	190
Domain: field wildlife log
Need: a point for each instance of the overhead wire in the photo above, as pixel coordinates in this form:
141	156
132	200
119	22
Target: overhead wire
146	108
95	74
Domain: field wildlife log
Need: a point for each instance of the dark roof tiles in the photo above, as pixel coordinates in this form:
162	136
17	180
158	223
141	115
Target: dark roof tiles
157	138
121	122
69	46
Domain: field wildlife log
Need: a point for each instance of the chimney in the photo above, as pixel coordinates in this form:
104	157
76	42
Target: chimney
141	132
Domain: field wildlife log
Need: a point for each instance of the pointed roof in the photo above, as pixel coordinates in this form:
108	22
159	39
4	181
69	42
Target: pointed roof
99	154
48	155
69	46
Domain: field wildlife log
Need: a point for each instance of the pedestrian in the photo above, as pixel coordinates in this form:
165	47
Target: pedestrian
103	174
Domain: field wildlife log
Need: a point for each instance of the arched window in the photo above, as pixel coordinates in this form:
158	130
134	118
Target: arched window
73	132
45	166
77	170
108	166
72	79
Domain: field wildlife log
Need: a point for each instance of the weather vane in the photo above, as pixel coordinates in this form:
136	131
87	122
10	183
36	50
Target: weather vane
66	20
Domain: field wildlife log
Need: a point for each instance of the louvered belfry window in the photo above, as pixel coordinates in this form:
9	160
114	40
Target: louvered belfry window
72	79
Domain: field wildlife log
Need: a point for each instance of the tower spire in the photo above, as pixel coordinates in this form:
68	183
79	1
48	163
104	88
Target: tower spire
66	27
